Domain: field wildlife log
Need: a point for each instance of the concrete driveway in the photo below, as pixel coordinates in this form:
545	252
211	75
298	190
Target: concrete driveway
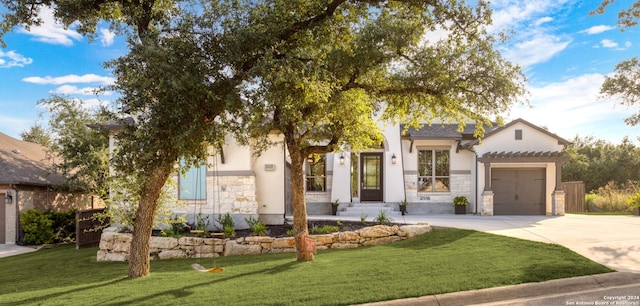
7	250
613	241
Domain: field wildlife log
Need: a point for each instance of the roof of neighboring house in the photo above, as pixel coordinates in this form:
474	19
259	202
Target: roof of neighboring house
440	131
27	163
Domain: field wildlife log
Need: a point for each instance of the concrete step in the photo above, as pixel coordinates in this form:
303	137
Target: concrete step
371	210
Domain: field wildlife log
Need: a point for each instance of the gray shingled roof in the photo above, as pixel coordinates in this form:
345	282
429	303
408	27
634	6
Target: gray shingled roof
27	163
439	131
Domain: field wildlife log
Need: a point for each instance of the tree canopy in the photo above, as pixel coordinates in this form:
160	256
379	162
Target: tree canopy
624	84
364	61
597	162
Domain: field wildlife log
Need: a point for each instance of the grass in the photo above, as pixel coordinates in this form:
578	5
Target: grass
443	261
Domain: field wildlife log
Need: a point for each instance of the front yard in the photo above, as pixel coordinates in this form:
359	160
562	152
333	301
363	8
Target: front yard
442	261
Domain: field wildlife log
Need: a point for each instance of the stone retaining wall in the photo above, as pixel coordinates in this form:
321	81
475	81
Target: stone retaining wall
115	246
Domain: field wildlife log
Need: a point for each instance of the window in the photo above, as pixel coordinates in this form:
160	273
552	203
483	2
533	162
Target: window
433	170
315	173
193	184
518	134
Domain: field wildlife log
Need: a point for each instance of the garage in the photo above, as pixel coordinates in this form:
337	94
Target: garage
518	191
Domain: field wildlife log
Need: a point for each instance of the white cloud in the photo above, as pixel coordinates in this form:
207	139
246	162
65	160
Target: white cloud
73	90
533	40
50	31
607	43
572	107
542	20
72	78
535	50
107	37
597	29
13	59
510	14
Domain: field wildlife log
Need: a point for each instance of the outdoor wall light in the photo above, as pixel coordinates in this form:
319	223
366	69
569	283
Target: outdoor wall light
394	160
342	159
8	199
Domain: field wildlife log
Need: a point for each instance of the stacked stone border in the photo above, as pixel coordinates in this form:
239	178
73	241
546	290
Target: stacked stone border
115	246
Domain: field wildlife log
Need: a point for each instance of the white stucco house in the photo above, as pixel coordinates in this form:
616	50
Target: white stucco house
515	169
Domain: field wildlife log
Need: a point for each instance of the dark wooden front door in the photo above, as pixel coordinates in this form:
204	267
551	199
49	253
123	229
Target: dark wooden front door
371	177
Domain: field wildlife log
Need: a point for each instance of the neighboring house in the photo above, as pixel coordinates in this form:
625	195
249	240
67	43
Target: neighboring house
515	169
26	182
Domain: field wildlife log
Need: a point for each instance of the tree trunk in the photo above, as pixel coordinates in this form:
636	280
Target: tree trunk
139	263
300	227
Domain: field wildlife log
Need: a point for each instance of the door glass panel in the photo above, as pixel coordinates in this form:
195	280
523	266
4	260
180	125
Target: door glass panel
371	173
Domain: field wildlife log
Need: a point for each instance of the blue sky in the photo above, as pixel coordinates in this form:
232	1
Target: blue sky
564	52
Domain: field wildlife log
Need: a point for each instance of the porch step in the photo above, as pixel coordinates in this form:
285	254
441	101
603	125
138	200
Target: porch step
371	210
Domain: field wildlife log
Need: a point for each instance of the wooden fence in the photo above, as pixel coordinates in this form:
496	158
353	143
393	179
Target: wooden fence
574	196
89	228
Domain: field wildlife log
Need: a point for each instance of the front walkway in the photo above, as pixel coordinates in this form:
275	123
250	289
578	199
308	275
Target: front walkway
613	241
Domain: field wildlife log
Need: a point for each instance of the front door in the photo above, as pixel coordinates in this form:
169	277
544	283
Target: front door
371	177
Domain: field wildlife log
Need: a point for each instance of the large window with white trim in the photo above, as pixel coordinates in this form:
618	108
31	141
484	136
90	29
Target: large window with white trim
433	170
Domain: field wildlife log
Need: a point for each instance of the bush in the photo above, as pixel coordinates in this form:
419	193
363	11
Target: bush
37	227
64	226
256	227
228	226
611	197
326	229
383	219
48	227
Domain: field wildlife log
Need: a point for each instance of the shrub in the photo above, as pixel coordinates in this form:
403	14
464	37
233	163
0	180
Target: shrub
610	198
256	227
63	225
227	224
326	229
383	219
37	227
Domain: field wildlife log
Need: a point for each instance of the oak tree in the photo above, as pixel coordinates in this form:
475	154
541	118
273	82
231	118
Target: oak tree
366	61
624	84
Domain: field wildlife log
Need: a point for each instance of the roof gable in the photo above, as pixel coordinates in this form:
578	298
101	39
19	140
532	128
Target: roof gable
561	141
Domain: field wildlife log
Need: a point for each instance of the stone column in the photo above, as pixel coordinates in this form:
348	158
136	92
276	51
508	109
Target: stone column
557	203
487	203
487	176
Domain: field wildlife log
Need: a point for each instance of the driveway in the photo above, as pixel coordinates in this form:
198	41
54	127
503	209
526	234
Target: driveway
613	241
7	250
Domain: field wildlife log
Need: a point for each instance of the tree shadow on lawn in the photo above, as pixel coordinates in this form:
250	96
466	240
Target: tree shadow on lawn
435	238
186	291
92	286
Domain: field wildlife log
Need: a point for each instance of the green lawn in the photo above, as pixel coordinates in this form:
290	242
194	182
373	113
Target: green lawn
445	260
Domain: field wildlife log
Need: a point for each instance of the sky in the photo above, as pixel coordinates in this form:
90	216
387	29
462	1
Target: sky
564	52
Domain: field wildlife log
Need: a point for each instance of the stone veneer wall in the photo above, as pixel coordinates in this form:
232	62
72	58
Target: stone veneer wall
234	194
460	186
115	246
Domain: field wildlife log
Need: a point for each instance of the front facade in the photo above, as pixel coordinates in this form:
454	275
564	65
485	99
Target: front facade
515	170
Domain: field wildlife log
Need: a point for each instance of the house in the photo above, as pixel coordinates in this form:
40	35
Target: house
26	182
514	170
